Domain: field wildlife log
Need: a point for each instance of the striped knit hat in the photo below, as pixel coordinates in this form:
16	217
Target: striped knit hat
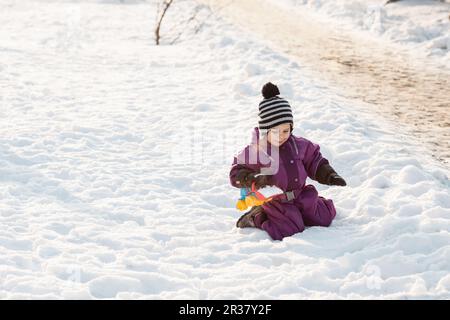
273	110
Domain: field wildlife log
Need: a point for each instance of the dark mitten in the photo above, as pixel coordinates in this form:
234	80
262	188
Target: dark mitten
246	177
262	181
327	175
336	180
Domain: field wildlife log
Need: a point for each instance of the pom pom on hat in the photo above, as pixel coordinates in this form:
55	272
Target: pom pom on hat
269	90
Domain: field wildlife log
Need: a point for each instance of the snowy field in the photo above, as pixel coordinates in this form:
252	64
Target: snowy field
115	154
421	26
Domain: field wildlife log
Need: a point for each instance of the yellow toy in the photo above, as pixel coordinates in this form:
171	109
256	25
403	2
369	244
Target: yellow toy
250	198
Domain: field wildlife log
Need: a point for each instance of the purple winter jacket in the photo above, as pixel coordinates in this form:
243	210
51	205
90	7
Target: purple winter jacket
299	158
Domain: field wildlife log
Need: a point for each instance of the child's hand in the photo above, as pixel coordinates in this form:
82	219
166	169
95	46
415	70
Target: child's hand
336	180
247	177
262	181
327	175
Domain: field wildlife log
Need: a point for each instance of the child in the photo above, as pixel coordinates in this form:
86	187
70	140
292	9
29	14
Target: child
294	159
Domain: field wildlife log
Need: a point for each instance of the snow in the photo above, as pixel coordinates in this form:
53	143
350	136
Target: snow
114	161
421	26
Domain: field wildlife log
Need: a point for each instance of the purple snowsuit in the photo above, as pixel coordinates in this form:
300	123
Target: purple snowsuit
299	158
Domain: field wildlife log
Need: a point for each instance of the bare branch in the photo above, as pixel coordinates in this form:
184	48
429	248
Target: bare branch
158	26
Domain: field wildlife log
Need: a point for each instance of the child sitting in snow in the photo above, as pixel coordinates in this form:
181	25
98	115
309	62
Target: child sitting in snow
295	159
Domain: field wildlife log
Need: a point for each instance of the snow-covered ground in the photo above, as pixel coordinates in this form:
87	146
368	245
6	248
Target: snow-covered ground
114	161
422	26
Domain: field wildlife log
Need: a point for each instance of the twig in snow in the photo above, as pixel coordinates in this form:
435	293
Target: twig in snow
158	25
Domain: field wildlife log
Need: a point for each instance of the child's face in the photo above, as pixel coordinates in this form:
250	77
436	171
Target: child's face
279	134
